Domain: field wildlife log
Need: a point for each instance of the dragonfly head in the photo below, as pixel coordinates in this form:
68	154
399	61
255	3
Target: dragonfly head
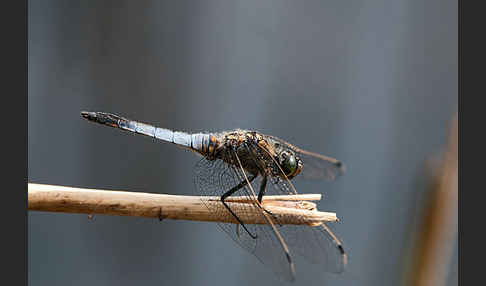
290	164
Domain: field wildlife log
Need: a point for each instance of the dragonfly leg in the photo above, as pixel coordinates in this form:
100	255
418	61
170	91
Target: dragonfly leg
263	187
261	193
229	193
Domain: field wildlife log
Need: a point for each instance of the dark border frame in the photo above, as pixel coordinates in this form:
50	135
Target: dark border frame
14	114
471	83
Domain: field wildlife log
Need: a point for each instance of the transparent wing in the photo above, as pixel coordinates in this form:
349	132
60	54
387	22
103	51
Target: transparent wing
315	166
274	243
317	245
214	178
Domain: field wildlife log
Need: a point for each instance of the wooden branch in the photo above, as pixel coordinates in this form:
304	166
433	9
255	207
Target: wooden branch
289	209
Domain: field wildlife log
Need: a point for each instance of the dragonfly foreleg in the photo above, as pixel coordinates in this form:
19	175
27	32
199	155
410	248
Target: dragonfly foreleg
229	193
263	187
261	193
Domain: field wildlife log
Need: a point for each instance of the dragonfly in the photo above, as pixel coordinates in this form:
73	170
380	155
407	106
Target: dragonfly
253	164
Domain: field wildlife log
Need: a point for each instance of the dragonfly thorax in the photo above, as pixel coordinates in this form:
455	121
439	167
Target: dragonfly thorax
258	154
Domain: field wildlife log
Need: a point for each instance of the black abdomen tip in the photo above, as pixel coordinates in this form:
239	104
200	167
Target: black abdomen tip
89	115
102	118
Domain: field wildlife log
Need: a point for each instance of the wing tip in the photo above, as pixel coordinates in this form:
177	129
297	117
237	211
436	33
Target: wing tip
344	259
341	167
291	277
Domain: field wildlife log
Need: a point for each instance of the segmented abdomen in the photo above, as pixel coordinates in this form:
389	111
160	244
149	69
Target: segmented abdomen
205	144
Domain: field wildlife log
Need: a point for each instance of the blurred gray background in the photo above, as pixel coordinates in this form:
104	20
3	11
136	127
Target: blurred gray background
372	83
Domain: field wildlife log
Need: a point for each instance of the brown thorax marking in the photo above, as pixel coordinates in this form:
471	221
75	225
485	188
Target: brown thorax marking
239	137
265	145
212	145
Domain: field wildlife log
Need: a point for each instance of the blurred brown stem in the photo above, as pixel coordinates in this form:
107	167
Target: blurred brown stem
435	243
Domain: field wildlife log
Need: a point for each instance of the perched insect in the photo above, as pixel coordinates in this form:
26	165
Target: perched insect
253	164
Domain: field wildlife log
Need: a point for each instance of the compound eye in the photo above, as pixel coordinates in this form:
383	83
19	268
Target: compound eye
289	165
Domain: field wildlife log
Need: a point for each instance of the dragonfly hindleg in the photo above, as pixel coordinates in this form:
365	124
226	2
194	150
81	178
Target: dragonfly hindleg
229	193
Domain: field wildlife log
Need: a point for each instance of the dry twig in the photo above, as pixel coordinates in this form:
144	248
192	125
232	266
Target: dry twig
291	209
